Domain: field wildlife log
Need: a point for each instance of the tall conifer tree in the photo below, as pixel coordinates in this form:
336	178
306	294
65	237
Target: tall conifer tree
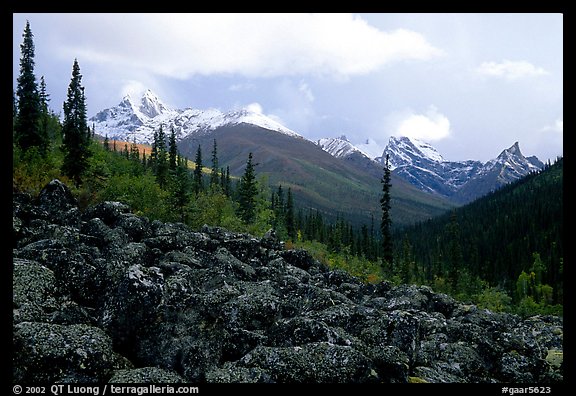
28	131
247	192
197	184
162	165
387	248
173	150
214	177
75	131
290	225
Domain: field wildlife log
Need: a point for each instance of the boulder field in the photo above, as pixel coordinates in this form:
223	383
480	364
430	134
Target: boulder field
102	295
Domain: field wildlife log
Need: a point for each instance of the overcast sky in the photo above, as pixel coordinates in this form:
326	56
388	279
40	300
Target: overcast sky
469	84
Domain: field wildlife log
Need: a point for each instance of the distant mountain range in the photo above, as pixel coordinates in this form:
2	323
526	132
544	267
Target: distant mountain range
330	175
424	167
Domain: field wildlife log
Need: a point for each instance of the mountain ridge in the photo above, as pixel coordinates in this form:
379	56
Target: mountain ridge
420	164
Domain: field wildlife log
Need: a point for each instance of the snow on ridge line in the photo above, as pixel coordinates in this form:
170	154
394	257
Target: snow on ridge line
340	147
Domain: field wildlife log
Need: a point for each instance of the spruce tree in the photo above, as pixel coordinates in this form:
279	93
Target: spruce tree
197	184
214	177
134	151
247	192
28	131
279	209
44	112
162	165
453	251
223	179
386	224
181	189
289	216
14	107
228	185
106	143
173	150
49	121
75	131
154	152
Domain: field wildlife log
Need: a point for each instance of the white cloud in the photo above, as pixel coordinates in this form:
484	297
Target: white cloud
306	91
253	45
431	126
510	70
241	87
254	107
558	126
133	88
257	108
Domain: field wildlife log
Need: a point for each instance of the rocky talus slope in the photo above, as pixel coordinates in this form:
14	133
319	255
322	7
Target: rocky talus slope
103	295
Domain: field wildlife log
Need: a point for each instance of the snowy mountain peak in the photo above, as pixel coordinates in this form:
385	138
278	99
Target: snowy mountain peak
404	151
511	164
127	102
150	105
515	148
136	120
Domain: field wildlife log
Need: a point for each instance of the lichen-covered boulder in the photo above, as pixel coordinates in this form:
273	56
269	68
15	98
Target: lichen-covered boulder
319	362
34	287
50	353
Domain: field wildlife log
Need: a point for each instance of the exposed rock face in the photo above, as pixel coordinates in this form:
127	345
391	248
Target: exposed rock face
108	296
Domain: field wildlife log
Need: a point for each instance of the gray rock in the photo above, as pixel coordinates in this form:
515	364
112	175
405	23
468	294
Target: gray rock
256	307
299	331
133	307
319	362
146	375
516	368
104	237
33	287
175	236
109	212
389	363
74	276
231	373
135	227
407	297
50	353
59	203
433	374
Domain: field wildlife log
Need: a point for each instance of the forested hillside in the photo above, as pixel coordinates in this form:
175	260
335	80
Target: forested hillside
511	239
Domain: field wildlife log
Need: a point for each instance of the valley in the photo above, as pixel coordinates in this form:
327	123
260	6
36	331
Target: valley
330	175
